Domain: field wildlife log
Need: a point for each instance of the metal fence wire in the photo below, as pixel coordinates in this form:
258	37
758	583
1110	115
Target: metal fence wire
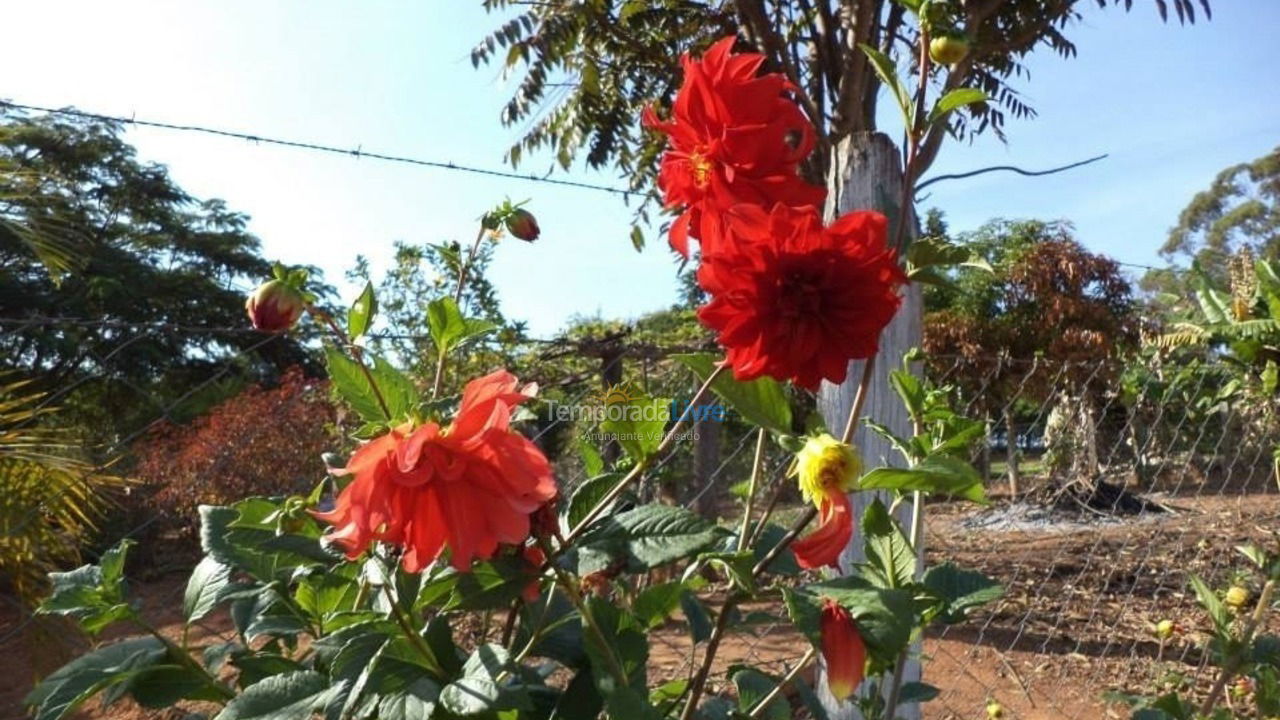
1111	485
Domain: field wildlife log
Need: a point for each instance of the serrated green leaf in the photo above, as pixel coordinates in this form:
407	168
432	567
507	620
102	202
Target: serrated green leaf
761	402
645	537
208	580
937	474
960	590
291	696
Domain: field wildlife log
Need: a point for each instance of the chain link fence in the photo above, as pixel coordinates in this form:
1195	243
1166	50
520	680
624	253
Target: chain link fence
1111	482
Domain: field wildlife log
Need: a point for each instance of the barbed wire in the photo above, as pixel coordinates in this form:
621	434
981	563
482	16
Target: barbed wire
357	152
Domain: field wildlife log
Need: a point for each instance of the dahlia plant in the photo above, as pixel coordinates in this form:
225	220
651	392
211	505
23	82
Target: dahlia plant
444	571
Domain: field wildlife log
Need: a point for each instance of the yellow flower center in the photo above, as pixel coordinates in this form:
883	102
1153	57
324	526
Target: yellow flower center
700	167
825	464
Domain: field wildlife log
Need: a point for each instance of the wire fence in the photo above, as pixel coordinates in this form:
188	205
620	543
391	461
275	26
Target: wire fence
1112	483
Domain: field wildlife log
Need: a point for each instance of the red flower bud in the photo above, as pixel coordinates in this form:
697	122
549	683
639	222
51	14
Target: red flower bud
275	306
842	649
523	225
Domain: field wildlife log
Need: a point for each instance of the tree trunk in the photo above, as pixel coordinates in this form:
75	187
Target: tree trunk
867	174
984	454
1011	450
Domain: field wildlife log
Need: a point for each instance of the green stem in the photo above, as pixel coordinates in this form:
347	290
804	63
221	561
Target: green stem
182	656
756	464
414	638
441	355
571	590
639	467
758	709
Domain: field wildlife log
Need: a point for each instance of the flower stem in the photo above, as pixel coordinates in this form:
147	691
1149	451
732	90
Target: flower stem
567	583
859	399
756	464
441	355
640	466
759	707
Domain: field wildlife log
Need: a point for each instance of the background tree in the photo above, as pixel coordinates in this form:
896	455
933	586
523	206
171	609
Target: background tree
1240	210
142	270
1005	336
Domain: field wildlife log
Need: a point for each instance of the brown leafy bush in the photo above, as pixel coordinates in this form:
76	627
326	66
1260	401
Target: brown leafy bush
262	441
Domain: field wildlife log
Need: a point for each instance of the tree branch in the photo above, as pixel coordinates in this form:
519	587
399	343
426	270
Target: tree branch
1009	168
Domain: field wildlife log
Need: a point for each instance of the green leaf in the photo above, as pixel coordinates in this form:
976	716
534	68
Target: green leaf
638	425
587	495
960	590
449	328
624	639
1218	611
415	702
937	474
92	594
351	385
592	462
695	614
885	616
917	692
163	685
762	402
362	312
888	551
474	695
736	565
889	76
637	238
291	696
646	537
580	700
397	388
68	687
629	703
753	686
955	99
206	584
655	604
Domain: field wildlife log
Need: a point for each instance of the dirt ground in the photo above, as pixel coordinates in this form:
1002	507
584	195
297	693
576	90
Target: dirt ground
1081	594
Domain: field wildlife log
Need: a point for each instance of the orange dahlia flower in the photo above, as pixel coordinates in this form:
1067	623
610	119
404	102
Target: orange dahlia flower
466	487
842	649
733	137
827	470
794	300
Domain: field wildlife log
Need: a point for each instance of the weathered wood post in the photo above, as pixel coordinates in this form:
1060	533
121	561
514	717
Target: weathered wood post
867	174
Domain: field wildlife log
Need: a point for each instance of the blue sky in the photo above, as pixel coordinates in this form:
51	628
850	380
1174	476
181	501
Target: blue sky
1172	105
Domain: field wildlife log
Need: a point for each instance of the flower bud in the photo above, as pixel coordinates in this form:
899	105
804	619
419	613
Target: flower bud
948	49
1237	597
1242	687
523	225
825	465
275	306
842	649
1165	629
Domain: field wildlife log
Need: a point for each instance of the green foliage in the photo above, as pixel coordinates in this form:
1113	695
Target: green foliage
53	498
128	246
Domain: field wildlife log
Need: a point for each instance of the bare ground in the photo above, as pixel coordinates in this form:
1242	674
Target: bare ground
1074	622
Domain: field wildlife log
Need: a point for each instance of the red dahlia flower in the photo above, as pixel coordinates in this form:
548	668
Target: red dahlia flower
466	487
733	137
842	649
794	300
